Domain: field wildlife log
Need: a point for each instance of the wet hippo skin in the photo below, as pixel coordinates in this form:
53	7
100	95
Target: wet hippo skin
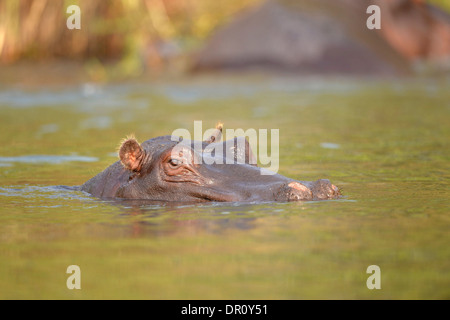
162	169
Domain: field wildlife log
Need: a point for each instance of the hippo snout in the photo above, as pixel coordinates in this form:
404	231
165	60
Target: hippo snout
298	191
301	190
323	189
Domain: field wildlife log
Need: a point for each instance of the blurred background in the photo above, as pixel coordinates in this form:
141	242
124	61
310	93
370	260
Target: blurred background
133	38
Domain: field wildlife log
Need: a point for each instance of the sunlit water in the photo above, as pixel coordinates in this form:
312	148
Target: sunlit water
385	144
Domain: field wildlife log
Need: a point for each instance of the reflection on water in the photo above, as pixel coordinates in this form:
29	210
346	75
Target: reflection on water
91	97
329	145
46	159
209	217
384	144
42	192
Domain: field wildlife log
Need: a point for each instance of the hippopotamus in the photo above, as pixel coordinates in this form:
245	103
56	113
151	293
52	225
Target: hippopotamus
163	169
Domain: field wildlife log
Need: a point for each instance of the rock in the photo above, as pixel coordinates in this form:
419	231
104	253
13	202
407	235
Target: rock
324	37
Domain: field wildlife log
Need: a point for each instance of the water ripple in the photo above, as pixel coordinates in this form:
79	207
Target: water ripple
51	159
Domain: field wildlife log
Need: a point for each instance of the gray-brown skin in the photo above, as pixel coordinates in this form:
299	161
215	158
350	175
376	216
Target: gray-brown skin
152	171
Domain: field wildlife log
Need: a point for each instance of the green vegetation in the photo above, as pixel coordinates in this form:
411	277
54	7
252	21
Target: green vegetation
134	33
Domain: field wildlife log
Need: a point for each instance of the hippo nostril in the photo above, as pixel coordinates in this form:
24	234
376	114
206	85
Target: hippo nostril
324	189
298	186
300	192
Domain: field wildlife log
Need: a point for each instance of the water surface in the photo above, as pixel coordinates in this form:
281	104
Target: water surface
384	143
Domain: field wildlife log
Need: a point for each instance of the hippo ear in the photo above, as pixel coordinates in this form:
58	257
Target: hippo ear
131	154
217	134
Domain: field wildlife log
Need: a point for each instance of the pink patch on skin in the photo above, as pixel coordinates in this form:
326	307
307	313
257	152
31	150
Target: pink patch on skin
298	186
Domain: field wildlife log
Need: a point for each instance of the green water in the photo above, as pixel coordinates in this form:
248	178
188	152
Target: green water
384	143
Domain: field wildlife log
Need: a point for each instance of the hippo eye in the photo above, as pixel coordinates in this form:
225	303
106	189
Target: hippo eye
174	162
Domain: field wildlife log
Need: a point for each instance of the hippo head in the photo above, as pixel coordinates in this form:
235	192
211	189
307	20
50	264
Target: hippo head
166	169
